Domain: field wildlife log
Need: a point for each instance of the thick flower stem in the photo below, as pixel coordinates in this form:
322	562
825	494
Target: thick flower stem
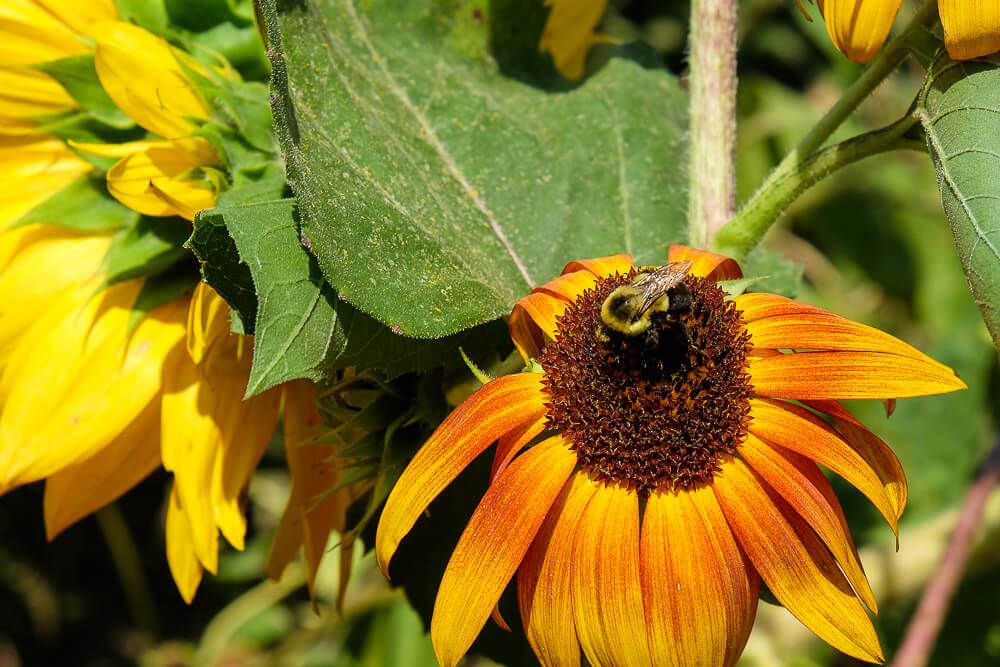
713	118
918	643
740	235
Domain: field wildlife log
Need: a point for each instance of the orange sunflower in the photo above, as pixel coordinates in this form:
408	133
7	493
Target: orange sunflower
643	486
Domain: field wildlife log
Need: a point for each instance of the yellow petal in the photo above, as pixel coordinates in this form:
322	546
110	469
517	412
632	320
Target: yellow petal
38	263
30	34
971	27
157	178
545	582
31	172
26	93
493	544
78	379
569	33
700	593
81	17
797	567
859	27
142	74
181	558
607	589
76	491
212	439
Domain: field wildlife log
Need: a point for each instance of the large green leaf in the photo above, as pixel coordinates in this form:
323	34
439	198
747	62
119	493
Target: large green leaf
959	109
434	190
303	330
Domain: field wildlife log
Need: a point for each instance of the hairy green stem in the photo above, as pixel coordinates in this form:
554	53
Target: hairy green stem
712	159
743	232
746	229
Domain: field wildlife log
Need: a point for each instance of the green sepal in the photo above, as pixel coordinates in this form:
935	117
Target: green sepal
83	205
150	14
77	75
145	248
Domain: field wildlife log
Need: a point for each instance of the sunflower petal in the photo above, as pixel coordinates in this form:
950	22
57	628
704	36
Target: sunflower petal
493	544
607	592
797	429
706	264
532	322
570	285
545	583
971	27
828	332
76	491
27	93
699	592
143	75
858	28
29	34
796	566
843	375
802	485
758	305
78	379
513	442
497	408
184	564
602	266
569	32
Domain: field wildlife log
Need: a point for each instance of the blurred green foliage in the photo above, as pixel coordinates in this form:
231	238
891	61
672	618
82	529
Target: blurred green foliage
873	245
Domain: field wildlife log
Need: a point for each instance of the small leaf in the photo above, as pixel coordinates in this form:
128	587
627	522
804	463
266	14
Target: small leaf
146	248
434	190
84	205
302	328
959	110
222	268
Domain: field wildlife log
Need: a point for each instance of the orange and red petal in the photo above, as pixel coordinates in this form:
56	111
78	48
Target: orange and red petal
513	442
758	305
497	408
532	322
793	562
699	593
545	582
494	543
810	331
706	264
602	266
607	587
843	375
802	485
797	429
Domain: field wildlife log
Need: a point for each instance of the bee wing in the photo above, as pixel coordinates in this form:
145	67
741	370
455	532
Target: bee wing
656	283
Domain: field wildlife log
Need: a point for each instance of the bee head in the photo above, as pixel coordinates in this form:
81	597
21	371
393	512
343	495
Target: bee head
624	309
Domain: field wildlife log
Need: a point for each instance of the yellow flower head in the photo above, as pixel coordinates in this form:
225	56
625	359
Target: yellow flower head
859	27
569	33
645	483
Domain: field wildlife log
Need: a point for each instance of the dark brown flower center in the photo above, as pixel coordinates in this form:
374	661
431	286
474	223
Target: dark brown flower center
655	410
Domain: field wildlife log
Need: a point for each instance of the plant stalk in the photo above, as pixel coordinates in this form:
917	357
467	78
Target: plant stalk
918	643
741	234
712	164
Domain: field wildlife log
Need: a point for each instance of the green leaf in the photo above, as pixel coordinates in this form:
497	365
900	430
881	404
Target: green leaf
146	248
302	329
959	109
199	15
435	191
222	268
767	271
84	205
77	75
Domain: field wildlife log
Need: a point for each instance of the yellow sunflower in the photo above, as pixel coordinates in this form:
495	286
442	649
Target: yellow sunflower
92	397
570	32
644	485
859	27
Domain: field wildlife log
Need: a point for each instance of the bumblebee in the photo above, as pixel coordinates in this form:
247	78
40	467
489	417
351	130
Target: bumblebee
630	309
